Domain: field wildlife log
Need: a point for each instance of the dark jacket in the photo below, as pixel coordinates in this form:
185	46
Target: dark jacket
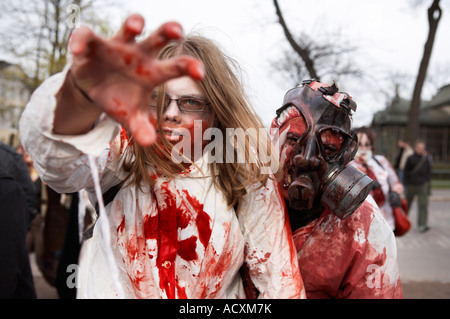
419	175
16	279
12	163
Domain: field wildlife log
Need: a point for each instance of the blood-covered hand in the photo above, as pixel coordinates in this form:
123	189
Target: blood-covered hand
119	74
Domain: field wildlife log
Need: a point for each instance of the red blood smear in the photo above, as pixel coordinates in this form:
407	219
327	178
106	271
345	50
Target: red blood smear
183	219
181	291
151	227
119	111
330	137
121	227
141	70
124	140
164	227
186	248
202	221
127	58
296	125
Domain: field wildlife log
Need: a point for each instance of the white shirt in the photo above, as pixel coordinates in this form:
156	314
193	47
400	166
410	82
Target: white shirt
203	244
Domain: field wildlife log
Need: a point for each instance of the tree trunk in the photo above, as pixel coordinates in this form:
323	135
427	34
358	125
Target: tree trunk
413	126
309	63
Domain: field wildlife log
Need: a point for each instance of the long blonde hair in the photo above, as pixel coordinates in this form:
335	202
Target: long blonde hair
232	109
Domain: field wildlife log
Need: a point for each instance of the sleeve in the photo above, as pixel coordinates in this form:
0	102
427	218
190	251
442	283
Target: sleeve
270	254
62	160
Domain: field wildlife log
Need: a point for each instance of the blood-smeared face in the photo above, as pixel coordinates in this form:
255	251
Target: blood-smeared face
306	150
364	152
181	127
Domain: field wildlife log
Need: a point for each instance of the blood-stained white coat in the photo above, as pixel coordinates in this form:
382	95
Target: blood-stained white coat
355	257
177	239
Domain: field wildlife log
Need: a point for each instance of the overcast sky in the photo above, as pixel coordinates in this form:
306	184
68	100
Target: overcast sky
389	35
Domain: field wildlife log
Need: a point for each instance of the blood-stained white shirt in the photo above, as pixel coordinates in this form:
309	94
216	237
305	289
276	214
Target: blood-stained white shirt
177	239
355	257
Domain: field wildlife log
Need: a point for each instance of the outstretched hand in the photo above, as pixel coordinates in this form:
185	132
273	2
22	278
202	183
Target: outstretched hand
119	74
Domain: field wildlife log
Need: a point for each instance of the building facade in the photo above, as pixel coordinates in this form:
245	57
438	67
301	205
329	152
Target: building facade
390	126
14	94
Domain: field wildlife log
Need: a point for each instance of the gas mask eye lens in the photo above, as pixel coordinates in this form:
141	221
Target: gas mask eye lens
331	140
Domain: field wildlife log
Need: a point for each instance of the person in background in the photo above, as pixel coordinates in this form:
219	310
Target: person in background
178	229
418	170
13	164
344	246
405	150
378	168
16	279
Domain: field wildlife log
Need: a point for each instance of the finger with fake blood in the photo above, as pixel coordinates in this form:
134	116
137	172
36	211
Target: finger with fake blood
178	66
164	34
132	27
143	131
81	40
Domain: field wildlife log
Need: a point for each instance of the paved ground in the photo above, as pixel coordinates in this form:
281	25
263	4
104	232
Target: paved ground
423	258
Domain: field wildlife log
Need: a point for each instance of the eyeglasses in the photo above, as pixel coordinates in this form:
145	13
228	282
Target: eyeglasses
187	104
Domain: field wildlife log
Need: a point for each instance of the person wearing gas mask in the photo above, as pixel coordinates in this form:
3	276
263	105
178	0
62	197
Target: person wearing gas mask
378	168
344	245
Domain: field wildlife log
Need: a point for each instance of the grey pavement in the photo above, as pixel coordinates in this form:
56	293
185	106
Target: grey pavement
423	258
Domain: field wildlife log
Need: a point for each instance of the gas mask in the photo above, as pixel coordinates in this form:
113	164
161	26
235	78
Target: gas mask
316	144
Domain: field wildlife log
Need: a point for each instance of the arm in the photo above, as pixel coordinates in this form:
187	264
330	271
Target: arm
270	253
80	110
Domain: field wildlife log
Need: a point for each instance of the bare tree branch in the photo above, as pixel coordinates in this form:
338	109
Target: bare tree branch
413	127
302	51
315	56
37	32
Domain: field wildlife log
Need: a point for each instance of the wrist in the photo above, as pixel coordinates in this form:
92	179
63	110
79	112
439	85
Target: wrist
75	112
75	84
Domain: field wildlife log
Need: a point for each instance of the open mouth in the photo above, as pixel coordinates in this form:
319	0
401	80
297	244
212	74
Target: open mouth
172	135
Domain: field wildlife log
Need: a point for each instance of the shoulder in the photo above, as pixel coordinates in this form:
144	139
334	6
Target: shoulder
9	187
413	157
262	200
363	217
379	233
359	225
347	229
6	180
382	160
8	153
